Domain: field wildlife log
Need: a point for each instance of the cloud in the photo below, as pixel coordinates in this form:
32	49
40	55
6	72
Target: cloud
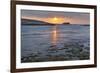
73	17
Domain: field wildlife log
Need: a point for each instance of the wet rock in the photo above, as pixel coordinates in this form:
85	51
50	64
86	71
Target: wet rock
69	51
84	55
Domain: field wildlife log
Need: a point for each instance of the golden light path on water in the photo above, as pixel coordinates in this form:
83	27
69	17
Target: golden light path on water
54	35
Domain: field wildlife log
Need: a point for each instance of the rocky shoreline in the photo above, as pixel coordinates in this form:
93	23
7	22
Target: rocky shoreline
68	52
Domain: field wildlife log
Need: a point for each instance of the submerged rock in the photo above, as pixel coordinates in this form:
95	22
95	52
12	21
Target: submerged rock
69	51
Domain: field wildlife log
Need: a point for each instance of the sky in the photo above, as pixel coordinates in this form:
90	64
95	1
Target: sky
57	17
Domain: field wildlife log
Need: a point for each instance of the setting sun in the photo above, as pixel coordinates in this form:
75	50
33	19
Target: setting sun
56	20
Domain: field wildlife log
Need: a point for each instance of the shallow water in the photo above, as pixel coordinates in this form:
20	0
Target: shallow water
54	43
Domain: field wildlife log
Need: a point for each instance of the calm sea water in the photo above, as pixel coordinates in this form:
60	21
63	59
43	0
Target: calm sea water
39	39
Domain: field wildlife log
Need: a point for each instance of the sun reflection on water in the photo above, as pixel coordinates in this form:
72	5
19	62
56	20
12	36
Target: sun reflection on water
54	35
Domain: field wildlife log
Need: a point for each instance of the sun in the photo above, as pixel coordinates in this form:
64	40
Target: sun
55	20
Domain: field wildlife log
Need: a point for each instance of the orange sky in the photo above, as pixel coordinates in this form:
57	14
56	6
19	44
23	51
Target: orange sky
54	20
56	17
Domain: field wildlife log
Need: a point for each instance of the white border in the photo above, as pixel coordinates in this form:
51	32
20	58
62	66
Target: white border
58	63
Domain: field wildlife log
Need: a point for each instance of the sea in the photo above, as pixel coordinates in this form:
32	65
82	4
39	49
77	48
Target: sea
41	43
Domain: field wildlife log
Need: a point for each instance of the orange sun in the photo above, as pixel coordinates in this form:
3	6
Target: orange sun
56	20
